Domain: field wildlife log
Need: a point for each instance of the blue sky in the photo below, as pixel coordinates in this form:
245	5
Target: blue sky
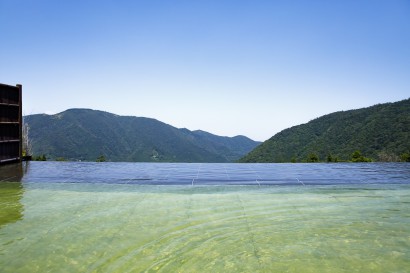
228	67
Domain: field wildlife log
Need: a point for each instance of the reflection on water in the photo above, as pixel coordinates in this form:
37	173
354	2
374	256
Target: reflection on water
128	227
11	192
13	172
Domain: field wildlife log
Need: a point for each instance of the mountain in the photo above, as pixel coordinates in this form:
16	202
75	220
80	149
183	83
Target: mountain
84	134
380	132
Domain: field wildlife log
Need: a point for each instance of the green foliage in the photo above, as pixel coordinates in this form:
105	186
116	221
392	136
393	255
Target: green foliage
383	127
40	158
313	158
358	157
83	134
405	157
101	158
61	159
330	158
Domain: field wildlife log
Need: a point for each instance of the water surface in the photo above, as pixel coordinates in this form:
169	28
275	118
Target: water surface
142	217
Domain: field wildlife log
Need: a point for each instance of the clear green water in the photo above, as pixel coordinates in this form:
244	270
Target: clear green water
57	227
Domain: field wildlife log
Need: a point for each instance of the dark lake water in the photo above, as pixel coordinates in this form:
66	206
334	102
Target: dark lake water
208	174
160	217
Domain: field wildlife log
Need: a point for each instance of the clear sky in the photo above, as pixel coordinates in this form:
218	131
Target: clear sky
230	68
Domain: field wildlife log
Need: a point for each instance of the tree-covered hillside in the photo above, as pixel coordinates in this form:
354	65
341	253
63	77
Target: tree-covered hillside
83	134
380	132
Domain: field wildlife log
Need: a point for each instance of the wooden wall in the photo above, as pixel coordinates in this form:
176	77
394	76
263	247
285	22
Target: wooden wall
10	123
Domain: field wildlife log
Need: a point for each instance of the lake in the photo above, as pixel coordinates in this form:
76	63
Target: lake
166	217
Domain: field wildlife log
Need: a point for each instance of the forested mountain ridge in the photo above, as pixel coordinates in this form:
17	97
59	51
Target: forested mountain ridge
380	132
85	134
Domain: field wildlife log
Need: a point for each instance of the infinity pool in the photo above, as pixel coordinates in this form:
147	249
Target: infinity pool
141	217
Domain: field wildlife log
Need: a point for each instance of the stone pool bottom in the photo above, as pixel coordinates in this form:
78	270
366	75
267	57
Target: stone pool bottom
141	228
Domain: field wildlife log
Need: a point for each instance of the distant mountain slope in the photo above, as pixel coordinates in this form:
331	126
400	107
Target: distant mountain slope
378	132
84	134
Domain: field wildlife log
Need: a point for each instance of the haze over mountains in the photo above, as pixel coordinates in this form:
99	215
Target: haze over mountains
380	132
84	134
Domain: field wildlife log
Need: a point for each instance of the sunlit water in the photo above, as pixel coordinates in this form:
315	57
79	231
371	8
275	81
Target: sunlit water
133	217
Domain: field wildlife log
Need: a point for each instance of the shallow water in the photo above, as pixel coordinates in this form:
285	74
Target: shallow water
128	217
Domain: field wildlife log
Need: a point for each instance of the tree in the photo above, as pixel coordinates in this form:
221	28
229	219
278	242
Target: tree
405	157
329	158
358	157
41	158
101	158
385	156
312	158
26	141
